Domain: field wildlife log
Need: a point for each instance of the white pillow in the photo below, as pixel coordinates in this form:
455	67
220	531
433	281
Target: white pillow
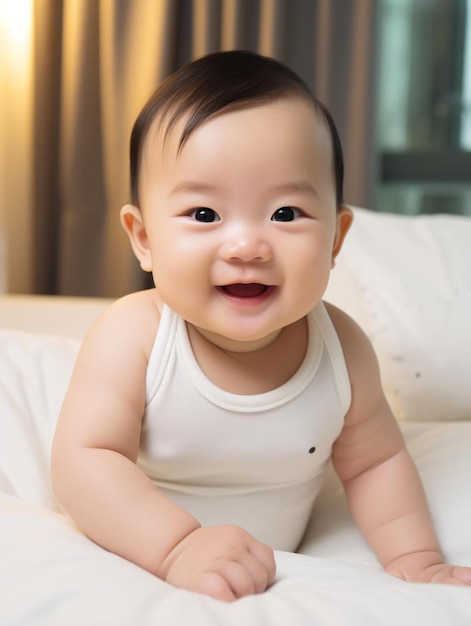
413	276
34	374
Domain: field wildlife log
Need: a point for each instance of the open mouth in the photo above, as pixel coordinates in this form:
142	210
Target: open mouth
249	294
245	290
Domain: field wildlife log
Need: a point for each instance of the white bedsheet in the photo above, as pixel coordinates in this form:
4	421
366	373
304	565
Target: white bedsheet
51	575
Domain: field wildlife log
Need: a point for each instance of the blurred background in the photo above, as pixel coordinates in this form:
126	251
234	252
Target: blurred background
396	75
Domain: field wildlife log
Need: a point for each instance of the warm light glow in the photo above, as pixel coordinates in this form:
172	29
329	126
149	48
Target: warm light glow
16	137
15	37
15	23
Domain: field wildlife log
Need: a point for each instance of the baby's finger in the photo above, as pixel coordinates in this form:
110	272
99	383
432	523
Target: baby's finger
214	585
462	574
238	577
261	576
448	575
266	556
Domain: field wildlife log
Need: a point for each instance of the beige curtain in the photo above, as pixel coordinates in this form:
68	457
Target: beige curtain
94	63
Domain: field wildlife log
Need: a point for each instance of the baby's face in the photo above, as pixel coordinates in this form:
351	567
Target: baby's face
241	225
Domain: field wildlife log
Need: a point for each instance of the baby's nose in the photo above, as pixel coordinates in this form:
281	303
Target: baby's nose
247	248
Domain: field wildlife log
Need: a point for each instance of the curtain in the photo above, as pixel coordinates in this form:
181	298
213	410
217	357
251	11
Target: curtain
94	64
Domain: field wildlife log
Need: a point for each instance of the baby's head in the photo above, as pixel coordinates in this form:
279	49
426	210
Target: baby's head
236	197
218	83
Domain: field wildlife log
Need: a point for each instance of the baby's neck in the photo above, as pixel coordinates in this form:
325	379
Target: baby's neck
230	346
246	372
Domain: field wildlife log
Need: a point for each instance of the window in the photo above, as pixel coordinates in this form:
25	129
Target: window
424	112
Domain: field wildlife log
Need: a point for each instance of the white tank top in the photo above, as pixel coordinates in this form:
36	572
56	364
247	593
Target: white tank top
256	461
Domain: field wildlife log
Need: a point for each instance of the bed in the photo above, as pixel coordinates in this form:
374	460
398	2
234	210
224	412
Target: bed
406	281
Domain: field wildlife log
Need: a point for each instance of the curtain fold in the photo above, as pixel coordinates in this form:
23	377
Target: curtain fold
272	21
97	61
82	190
136	44
46	200
344	79
206	34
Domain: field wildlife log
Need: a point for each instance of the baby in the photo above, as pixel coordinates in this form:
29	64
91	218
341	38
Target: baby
202	413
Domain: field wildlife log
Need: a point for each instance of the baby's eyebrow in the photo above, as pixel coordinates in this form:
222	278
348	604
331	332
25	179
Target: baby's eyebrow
188	186
296	186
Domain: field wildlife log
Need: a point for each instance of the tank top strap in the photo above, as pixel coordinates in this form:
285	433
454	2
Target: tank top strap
332	343
161	351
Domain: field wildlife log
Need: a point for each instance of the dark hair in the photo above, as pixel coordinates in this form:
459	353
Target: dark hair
219	81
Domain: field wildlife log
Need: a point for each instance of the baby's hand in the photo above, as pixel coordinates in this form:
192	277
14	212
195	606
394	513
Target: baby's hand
428	567
223	562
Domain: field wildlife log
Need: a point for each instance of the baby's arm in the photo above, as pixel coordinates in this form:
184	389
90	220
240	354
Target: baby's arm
381	483
95	477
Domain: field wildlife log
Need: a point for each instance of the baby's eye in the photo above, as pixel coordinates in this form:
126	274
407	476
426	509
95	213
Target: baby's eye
286	214
203	214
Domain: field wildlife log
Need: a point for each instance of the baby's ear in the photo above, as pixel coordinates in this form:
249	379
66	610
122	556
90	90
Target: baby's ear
133	224
344	221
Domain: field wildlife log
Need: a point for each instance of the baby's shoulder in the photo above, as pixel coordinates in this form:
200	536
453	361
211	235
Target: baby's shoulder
342	322
357	348
116	350
140	308
352	337
146	302
132	319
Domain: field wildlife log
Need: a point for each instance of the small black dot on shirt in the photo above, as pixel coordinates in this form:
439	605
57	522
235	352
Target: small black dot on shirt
312	450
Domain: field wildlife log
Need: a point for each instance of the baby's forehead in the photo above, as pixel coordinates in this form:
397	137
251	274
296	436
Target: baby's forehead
168	133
